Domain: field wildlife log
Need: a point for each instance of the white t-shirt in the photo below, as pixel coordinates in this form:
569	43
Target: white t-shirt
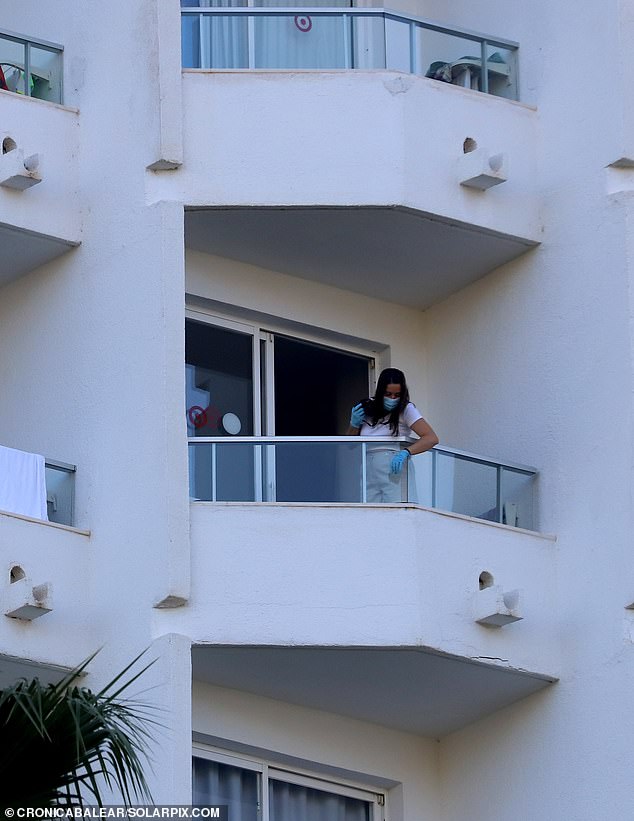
410	415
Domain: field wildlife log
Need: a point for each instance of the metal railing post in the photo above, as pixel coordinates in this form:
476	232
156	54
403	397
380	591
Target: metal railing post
347	41
213	472
27	69
364	472
484	71
498	492
413	53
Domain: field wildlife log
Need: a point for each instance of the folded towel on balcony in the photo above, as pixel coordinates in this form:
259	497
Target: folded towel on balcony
22	483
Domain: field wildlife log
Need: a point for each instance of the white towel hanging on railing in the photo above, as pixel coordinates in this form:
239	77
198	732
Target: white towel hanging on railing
22	483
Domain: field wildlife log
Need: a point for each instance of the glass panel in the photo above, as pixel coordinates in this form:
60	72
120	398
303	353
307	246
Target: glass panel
451	59
382	486
368	40
517	498
292	802
219	381
201	475
397	45
60	488
467	487
46	74
190	40
235	472
224	42
420	477
215	783
296	472
301	41
316	471
501	65
12	59
224	473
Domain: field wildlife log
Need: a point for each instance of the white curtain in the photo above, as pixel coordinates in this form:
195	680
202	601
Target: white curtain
216	783
291	802
300	42
223	40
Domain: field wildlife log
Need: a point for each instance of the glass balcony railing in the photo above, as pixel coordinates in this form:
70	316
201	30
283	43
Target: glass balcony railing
30	67
345	38
60	492
353	469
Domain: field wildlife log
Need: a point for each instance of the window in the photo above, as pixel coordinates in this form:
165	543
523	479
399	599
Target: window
257	791
247	380
30	67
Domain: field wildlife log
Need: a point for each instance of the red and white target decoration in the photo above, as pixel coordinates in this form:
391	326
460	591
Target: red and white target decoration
303	22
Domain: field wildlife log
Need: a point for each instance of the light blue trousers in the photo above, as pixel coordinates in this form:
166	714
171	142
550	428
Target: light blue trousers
381	484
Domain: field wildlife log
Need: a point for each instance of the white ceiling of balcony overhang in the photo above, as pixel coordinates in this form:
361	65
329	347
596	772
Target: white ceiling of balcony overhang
23	251
390	253
13	668
415	690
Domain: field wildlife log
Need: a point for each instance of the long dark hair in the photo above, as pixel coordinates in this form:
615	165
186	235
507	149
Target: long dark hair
373	407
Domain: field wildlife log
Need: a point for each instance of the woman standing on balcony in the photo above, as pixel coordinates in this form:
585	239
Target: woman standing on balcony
389	413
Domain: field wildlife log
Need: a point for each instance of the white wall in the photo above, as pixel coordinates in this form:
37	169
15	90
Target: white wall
93	343
330	311
535	360
326	739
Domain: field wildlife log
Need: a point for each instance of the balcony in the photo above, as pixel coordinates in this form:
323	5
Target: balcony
339	470
343	161
45	593
430	597
39	212
346	38
36	488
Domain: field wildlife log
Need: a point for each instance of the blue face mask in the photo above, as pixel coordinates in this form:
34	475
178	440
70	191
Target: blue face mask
390	404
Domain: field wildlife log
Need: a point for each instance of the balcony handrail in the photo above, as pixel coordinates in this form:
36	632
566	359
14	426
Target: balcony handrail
33	41
422	22
54	464
376	440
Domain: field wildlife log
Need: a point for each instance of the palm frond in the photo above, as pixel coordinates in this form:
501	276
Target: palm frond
60	742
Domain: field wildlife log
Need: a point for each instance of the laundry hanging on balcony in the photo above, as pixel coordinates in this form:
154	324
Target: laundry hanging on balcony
22	483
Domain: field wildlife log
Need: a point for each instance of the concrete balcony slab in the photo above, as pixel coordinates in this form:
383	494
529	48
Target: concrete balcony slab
410	689
369	612
40	222
386	577
37	555
393	253
354	178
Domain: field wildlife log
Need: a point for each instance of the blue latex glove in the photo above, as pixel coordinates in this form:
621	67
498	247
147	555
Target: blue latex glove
357	416
398	460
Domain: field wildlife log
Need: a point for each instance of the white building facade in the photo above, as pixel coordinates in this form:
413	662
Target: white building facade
218	223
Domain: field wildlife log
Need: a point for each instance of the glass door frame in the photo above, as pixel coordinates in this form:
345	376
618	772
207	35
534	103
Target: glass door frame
377	799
